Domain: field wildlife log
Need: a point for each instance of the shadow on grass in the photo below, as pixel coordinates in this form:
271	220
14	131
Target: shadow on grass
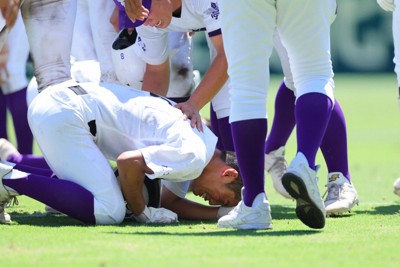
44	219
206	228
380	210
279	212
225	233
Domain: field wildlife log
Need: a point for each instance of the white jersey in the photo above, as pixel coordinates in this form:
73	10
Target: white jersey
78	134
196	15
129	119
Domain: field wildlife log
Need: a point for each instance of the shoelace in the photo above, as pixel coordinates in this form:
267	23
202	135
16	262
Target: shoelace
279	164
333	191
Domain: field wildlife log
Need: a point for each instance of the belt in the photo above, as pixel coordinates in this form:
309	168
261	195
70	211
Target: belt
77	89
162	97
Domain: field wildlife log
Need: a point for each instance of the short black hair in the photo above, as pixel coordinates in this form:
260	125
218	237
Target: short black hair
236	185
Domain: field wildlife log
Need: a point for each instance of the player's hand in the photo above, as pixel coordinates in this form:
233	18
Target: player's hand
160	15
190	112
135	10
9	10
153	215
387	5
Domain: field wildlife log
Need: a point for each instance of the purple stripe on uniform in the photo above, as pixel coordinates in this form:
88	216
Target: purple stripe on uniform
215	33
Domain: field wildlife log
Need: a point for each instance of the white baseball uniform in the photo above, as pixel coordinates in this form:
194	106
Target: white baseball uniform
310	61
284	58
196	15
125	119
18	47
51	23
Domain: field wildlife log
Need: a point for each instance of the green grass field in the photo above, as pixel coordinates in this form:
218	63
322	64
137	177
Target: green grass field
368	236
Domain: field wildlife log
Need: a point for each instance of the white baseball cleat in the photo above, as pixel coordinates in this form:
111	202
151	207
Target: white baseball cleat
276	165
6	149
341	195
4	216
301	183
6	194
396	186
258	216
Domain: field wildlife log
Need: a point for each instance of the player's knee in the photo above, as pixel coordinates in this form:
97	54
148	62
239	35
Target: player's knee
110	214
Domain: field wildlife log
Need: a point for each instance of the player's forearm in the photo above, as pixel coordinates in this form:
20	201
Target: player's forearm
156	78
189	210
131	176
213	80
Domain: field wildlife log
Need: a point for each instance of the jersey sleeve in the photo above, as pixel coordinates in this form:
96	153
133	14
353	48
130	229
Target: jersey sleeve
211	16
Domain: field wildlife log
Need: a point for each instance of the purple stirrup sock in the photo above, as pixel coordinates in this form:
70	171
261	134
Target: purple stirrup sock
30	160
334	143
3	116
312	111
225	133
16	102
64	196
38	171
249	137
215	128
284	121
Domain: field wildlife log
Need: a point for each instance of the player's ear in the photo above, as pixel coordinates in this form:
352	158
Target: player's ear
230	173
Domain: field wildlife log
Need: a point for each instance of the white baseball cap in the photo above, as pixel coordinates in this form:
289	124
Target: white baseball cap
128	66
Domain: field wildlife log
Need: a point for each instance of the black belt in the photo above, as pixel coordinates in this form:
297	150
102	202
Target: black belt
162	97
77	89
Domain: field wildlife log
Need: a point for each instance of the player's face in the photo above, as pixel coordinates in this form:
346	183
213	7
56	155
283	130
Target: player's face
215	193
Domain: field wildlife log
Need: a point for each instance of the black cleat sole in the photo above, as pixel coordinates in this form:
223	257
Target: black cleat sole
306	210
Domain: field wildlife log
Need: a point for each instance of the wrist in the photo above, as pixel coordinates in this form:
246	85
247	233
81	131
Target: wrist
222	211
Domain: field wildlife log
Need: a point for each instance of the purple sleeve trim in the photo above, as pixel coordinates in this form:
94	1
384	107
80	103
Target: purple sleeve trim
214	33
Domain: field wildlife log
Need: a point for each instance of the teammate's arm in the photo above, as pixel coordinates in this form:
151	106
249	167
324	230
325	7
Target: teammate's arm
213	80
114	19
9	10
160	15
156	78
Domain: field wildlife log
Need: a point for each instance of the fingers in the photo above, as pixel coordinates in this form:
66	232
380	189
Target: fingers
190	112
135	10
10	12
160	14
157	21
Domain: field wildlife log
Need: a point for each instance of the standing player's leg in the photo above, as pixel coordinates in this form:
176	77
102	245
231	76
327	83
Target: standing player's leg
103	36
341	193
396	60
311	65
16	83
3	116
47	23
248	70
